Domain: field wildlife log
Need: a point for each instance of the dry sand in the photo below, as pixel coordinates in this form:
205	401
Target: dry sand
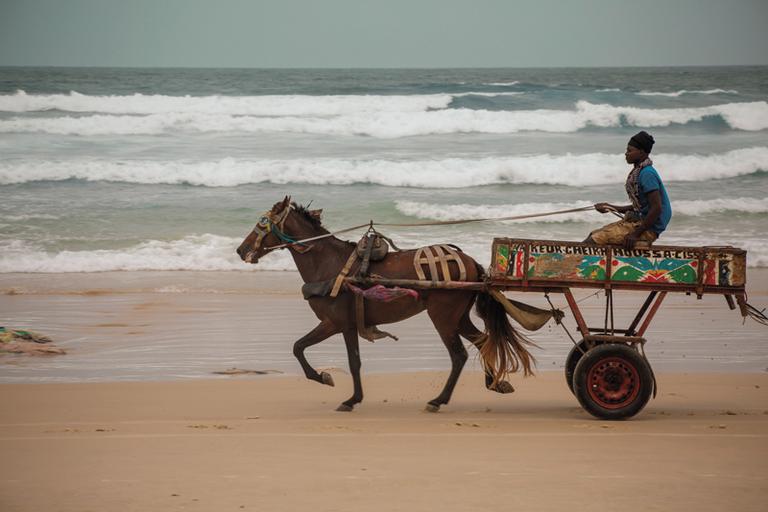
269	442
276	444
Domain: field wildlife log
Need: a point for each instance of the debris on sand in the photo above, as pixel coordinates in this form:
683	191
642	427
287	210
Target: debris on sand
16	341
239	371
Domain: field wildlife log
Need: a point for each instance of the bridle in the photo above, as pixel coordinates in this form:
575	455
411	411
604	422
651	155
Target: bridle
275	224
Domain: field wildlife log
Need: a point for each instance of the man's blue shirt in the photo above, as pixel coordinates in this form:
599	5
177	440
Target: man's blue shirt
648	181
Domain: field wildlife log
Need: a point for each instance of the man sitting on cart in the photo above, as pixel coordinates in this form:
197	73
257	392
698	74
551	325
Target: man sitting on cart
648	215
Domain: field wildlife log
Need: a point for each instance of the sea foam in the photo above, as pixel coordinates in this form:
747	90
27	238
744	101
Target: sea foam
212	252
681	92
381	117
452	212
582	170
268	105
503	84
203	252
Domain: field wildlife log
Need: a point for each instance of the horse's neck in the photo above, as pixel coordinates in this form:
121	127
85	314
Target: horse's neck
323	261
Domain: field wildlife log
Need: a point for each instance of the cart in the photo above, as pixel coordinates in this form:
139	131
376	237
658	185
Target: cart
607	368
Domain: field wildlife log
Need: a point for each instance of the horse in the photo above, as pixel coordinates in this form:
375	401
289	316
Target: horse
320	257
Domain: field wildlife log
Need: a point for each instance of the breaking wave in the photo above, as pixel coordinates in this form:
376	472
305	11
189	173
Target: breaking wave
740	205
199	252
488	94
681	92
572	170
379	116
203	252
451	212
270	105
212	252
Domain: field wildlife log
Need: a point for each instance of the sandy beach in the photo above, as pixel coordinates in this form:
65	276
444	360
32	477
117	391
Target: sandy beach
276	444
174	435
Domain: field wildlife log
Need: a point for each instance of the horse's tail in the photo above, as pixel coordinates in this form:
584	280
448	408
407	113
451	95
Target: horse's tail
503	349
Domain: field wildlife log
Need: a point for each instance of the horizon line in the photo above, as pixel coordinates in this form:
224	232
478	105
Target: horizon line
322	68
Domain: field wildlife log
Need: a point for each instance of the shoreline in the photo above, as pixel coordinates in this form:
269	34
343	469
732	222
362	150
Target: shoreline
159	326
202	281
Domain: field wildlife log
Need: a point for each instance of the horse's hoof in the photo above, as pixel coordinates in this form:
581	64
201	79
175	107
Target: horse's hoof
432	408
344	408
327	379
503	387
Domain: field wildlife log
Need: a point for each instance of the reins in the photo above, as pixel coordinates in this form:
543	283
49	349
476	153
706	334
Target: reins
289	241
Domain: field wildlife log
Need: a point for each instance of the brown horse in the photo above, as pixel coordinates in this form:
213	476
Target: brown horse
502	349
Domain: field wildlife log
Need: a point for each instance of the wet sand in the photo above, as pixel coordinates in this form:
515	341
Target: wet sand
187	325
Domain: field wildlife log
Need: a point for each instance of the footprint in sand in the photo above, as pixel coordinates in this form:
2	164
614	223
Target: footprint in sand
217	427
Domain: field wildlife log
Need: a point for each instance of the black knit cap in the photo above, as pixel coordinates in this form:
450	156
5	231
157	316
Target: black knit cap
642	140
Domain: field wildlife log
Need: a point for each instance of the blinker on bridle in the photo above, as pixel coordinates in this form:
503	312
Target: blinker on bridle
276	225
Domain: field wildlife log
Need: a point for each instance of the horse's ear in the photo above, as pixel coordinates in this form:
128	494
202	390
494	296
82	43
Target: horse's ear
286	202
316	214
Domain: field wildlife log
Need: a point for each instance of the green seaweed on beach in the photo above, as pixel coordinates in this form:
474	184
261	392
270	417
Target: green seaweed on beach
12	335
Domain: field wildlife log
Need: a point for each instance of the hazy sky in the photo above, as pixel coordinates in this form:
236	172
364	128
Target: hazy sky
382	33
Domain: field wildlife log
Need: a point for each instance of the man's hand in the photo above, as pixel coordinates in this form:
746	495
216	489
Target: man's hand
604	207
630	240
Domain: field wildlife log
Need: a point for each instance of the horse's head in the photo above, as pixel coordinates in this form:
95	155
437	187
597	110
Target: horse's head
272	231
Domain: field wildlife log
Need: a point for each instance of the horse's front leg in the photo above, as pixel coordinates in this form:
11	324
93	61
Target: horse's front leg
323	331
353	354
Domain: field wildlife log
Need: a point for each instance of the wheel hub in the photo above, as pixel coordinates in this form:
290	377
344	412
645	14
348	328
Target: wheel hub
613	382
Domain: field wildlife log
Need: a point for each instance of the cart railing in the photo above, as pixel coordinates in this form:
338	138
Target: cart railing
523	263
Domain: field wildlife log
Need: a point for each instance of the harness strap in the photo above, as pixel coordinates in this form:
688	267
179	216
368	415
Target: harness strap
440	250
344	271
453	255
432	262
417	266
424	255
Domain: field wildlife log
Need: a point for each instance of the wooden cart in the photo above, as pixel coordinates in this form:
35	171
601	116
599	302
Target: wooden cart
607	369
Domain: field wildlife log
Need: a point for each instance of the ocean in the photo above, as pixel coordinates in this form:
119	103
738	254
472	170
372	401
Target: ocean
168	169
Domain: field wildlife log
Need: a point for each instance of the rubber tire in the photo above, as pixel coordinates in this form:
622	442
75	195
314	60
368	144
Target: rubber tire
574	356
617	361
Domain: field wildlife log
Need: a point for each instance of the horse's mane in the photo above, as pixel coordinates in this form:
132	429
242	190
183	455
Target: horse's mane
304	211
314	220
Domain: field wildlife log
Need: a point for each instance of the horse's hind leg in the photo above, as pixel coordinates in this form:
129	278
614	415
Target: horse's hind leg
353	354
323	331
472	334
448	331
458	357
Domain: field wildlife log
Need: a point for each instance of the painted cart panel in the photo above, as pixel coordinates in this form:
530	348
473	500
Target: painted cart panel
522	260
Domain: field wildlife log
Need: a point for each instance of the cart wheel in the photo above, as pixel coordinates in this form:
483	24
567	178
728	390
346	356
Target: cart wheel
613	381
574	356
